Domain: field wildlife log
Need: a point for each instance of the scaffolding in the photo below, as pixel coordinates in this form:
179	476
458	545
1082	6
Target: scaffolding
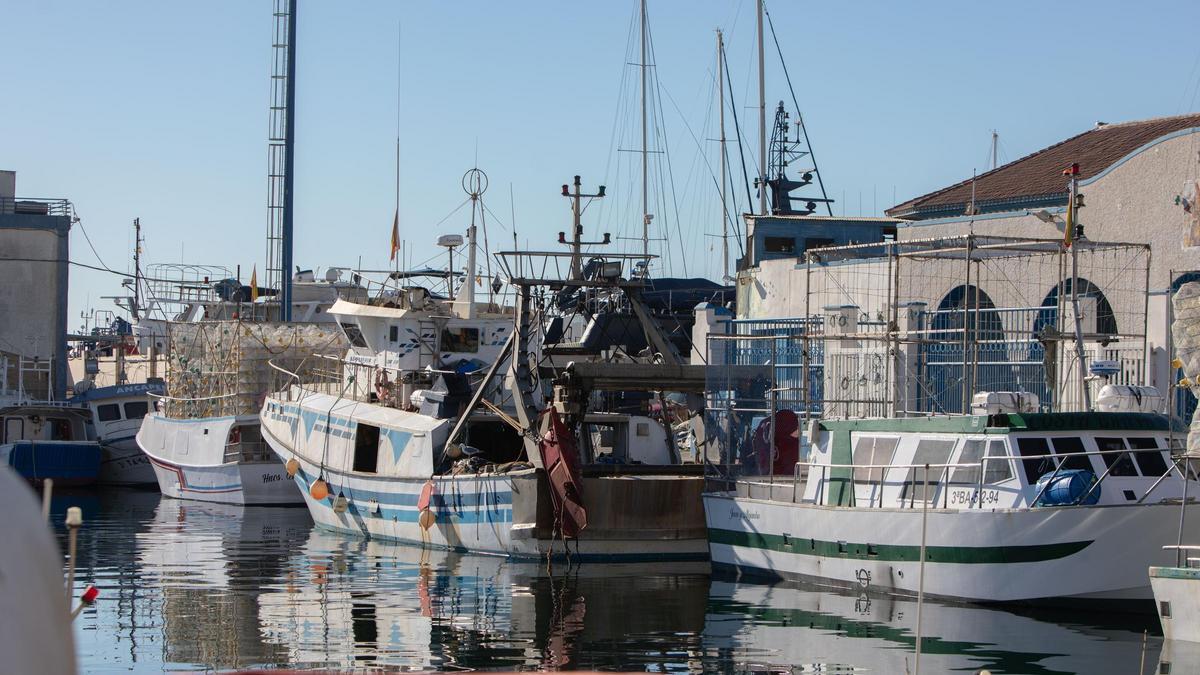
904	328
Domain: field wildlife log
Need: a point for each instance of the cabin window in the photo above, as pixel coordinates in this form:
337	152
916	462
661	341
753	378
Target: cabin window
366	448
460	340
817	242
1118	462
780	245
1149	459
353	334
1034	451
60	429
997	470
872	450
393	333
135	410
967	471
931	451
1070	446
108	412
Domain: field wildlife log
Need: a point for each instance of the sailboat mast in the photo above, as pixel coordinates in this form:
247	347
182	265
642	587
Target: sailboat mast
724	183
762	118
645	151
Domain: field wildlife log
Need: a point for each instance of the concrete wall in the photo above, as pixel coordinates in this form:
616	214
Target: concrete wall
33	294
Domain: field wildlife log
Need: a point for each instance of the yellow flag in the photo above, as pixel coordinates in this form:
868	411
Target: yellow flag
395	235
254	284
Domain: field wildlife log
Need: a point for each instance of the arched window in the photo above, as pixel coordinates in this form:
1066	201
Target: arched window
970	308
1106	320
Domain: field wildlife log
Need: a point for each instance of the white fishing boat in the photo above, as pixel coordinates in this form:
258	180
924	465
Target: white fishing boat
117	413
204	440
1013	507
435	429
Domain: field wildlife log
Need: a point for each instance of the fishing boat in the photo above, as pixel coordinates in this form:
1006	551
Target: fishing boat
116	415
438	428
203	440
49	440
1004	507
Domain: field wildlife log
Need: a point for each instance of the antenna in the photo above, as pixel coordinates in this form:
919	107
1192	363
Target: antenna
995	143
784	151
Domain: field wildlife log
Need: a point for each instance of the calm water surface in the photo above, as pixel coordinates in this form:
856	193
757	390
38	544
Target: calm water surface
192	586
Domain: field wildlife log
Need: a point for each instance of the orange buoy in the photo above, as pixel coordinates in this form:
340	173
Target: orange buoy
318	490
293	467
426	519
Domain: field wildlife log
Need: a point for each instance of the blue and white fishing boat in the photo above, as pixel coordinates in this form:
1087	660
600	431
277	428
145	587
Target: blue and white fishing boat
49	439
117	412
437	428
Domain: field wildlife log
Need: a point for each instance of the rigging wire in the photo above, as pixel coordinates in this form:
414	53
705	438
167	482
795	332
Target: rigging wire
738	127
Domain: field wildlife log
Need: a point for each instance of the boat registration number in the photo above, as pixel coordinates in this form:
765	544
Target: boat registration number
973	497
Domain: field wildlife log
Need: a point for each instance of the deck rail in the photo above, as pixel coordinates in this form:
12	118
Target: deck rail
943	481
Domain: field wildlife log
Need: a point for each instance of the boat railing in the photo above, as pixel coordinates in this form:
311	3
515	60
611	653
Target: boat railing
313	376
1181	551
943	480
217	405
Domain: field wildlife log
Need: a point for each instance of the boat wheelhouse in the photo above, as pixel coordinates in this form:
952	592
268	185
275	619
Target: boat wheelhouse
49	440
1000	508
117	413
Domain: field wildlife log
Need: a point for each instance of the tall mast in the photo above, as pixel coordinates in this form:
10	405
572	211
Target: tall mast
285	295
1074	232
135	308
475	184
762	118
281	155
724	208
645	150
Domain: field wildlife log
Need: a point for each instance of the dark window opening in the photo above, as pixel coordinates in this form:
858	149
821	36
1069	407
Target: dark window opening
1071	445
366	448
779	245
1149	460
108	412
60	429
353	334
136	409
394	333
1118	461
460	340
1035	466
817	242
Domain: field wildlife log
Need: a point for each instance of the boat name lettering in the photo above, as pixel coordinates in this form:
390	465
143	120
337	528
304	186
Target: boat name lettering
271	477
738	514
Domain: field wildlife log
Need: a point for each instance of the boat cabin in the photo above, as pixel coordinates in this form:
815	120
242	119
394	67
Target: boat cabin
1015	460
117	410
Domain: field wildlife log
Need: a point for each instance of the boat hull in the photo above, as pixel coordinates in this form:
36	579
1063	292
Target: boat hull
1003	555
482	513
188	460
123	463
67	463
1177	599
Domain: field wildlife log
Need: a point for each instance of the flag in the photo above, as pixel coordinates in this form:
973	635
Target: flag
395	235
254	284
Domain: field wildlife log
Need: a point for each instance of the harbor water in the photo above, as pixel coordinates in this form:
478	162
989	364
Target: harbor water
188	586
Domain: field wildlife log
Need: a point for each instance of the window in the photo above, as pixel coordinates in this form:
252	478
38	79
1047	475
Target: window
872	450
353	334
780	245
817	242
108	412
460	340
997	470
135	410
929	451
971	456
1150	459
1031	450
1118	461
1072	445
366	448
394	333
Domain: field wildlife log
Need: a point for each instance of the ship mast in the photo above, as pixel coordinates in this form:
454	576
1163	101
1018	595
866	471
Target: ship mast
724	182
762	118
646	217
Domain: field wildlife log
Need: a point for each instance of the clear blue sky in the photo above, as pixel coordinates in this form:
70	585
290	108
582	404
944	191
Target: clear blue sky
158	110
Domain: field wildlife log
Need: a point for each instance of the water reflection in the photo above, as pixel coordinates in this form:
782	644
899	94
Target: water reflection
202	586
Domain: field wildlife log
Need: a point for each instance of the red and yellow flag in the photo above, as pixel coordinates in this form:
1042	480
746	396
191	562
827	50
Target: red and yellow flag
395	235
